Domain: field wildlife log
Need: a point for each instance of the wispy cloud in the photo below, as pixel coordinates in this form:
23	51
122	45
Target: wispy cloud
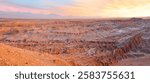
7	8
108	8
84	8
127	8
80	8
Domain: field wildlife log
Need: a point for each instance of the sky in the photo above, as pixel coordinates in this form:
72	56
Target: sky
79	8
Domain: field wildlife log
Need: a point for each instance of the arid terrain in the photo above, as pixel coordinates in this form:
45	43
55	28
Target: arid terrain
75	42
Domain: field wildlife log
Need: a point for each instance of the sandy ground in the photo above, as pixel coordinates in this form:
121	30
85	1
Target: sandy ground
12	56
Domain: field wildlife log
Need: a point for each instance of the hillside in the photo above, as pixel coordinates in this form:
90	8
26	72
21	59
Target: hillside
12	56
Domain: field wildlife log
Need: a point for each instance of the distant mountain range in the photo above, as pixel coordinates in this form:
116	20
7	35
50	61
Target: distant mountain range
29	15
49	16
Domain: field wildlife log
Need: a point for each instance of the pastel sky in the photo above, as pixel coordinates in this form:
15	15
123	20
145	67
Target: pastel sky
79	8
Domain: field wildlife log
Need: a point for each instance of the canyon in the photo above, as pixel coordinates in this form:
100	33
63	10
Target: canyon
74	42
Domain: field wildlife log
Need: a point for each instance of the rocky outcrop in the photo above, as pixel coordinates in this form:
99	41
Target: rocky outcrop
65	47
121	51
128	45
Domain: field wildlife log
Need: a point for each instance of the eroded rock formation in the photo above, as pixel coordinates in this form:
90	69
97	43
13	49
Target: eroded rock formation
120	52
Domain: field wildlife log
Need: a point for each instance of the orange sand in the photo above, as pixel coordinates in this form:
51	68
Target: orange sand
13	56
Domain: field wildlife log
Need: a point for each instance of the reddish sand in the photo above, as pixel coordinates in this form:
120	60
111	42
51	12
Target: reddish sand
12	56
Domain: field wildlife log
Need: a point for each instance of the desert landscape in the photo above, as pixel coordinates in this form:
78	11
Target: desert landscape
75	42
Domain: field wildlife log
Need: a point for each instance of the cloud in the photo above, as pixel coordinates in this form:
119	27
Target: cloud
9	8
84	8
127	8
108	8
80	8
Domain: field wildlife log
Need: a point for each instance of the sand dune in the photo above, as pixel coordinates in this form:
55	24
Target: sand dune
15	56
